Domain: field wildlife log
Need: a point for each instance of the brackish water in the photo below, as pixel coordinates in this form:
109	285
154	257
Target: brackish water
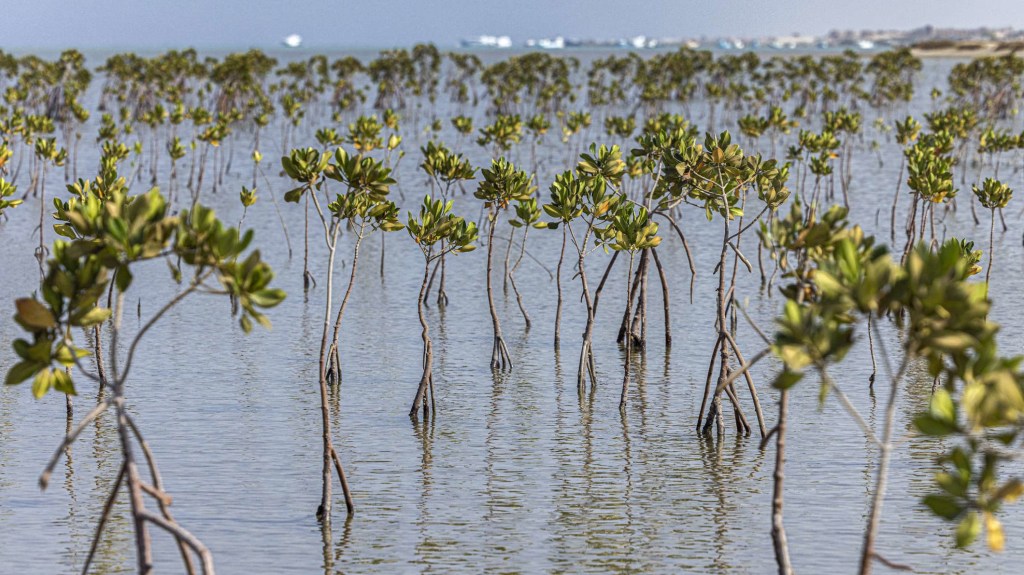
516	474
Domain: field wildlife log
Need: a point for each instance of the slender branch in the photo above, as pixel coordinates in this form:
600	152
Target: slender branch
892	565
743	369
756	219
827	380
107	506
138	337
44	479
160	494
750	321
742	257
181	534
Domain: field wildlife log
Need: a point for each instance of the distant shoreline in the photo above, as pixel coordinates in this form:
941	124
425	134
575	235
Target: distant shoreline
965	48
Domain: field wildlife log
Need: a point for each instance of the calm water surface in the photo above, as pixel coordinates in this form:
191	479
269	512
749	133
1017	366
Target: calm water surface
516	474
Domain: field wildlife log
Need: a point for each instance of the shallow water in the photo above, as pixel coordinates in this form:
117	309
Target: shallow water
516	474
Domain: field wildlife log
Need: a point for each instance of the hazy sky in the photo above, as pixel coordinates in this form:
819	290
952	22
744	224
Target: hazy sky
243	23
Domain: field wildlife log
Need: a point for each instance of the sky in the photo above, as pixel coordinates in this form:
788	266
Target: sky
158	24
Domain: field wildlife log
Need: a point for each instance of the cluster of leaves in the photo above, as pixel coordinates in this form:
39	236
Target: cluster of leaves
716	176
108	235
993	194
7	190
944	319
444	166
505	131
930	168
629	228
589	190
367	185
503	184
592	192
435	224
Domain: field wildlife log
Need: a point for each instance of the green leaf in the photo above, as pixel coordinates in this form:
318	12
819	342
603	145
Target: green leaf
293	196
34	314
21	371
42	383
94	316
65	230
787	379
955	485
942	407
944	506
62	382
1011	491
952	342
929	425
118	230
968	530
123	278
267	297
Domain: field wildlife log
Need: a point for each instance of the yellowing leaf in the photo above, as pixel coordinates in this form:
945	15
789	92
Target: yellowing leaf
994	531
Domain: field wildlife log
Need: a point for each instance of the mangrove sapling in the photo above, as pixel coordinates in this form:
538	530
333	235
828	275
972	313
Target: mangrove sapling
257	158
112	232
538	126
502	184
176	151
647	160
308	166
716	176
505	132
797	242
527	216
434	224
305	163
585	195
907	132
930	178
365	207
628	229
992	195
943	317
247	197
445	169
47	152
565	206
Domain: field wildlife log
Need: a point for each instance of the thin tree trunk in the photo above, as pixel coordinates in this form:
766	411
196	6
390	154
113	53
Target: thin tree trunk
334	368
778	527
500	358
629	342
665	298
991	250
428	355
558	283
324	510
878	498
895	201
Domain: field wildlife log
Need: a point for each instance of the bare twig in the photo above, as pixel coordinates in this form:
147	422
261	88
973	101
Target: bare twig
44	479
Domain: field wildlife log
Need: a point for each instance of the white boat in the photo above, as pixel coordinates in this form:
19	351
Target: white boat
556	43
487	42
292	41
